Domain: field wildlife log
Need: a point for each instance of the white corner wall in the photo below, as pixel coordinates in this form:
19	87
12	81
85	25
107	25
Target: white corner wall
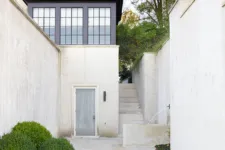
29	72
90	66
198	76
144	77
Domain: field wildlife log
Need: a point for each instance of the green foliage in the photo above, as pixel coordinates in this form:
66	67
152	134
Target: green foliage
56	144
16	141
163	147
35	131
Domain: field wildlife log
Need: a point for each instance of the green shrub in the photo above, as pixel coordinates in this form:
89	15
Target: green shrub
35	131
163	147
16	141
56	144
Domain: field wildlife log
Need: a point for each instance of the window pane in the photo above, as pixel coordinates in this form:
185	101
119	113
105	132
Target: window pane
90	39
35	12
46	30
107	12
74	12
96	21
107	40
74	30
52	12
40	22
41	12
62	40
68	21
74	22
90	21
74	39
63	12
102	21
47	12
91	12
96	30
107	30
80	21
46	21
52	21
52	38
68	30
68	39
80	12
52	31
63	31
80	30
102	30
68	12
90	30
102	12
107	21
80	39
96	39
63	22
102	39
96	12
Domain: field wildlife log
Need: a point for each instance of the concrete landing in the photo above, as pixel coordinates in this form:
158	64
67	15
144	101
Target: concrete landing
103	144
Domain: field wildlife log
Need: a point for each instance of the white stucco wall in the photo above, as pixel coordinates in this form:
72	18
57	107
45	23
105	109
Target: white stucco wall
163	83
29	72
144	77
197	76
90	66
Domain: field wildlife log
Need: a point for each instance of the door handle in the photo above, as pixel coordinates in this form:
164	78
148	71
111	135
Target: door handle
94	117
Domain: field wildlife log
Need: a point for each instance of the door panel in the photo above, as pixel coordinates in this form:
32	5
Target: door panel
85	112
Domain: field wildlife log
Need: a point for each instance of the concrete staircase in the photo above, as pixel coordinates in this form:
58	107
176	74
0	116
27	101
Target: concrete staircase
130	111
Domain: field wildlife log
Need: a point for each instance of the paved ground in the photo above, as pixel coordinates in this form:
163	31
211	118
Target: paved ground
103	144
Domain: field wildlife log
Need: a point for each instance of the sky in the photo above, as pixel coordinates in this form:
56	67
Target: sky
127	5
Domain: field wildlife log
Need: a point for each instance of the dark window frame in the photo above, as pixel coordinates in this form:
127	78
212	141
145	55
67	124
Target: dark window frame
85	7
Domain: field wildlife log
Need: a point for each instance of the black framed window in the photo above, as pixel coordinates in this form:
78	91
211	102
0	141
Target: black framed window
71	29
99	30
45	18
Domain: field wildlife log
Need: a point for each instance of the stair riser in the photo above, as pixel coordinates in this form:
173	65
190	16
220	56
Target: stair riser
128	93
127	86
129	100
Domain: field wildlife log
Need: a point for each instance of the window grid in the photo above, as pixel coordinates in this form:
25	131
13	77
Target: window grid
45	18
99	31
71	30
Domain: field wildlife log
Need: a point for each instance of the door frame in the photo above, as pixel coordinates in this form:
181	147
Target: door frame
74	100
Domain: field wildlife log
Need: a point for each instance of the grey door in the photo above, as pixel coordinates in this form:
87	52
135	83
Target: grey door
85	112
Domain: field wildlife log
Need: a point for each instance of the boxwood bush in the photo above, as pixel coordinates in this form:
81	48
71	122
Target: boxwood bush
163	147
56	144
16	141
35	131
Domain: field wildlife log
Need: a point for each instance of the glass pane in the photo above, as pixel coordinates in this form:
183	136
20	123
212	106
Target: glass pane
102	21
62	40
96	39
36	20
80	40
47	12
80	30
96	30
102	39
63	30
68	31
68	21
35	12
90	30
96	12
107	12
63	22
90	21
90	40
52	12
107	21
74	30
102	30
68	12
102	12
74	12
52	38
80	21
68	39
52	31
90	12
107	30
46	22
46	30
74	21
52	22
74	39
63	12
107	40
80	12
40	22
96	21
41	12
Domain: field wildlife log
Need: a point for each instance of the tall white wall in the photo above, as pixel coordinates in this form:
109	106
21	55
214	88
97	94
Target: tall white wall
90	66
197	76
29	72
163	84
144	77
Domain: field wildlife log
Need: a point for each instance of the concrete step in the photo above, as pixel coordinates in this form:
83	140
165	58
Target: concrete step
128	100
127	86
128	93
130	111
133	105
